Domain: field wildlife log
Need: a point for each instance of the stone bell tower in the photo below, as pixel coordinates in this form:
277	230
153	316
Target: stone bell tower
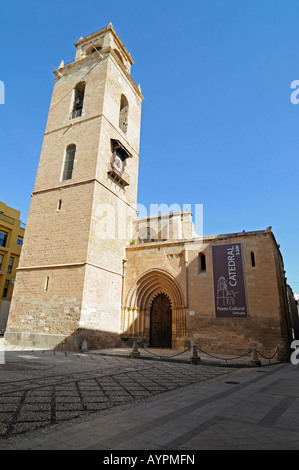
69	283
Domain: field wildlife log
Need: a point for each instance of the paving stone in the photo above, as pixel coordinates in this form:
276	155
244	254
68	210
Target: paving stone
60	388
115	403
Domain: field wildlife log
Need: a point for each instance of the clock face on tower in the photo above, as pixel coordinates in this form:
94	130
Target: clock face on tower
118	163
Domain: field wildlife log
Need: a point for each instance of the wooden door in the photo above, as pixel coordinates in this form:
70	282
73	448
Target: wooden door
161	322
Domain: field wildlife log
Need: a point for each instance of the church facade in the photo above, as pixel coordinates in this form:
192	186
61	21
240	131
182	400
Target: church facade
92	270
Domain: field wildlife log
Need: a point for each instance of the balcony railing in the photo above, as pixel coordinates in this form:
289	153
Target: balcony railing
122	178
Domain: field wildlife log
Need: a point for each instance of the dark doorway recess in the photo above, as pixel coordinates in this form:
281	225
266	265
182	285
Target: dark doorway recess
161	322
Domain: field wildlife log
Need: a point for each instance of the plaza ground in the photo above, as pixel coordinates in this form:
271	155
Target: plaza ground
94	401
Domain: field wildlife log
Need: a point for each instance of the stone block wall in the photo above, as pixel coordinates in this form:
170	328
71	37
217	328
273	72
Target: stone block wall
266	326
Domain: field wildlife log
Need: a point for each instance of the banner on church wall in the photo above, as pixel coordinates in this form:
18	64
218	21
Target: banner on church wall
229	281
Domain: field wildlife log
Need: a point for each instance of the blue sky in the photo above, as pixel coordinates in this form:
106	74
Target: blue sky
218	125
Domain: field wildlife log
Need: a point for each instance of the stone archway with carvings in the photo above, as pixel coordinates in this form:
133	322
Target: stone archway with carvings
137	308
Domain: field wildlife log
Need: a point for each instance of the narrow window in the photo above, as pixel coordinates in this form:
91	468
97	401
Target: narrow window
1	261
47	284
252	260
10	265
59	205
78	99
3	238
123	114
20	240
5	290
69	162
202	263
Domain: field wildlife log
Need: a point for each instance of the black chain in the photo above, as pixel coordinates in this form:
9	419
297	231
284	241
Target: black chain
269	358
208	354
223	358
174	355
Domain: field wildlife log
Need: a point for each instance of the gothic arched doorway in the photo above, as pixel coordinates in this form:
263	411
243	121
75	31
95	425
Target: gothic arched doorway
161	322
136	313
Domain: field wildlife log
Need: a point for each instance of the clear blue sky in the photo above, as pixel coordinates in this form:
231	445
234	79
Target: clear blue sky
218	126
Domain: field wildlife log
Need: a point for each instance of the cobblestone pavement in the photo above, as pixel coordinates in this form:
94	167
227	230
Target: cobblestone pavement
39	389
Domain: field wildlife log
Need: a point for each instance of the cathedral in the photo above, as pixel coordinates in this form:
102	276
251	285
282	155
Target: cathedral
92	270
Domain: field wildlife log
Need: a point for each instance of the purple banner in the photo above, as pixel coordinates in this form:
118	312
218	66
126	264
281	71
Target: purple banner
229	281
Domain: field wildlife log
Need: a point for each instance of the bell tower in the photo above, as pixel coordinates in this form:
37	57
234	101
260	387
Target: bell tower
70	279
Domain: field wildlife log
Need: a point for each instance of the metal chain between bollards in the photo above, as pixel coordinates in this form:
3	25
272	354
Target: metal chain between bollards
208	354
159	356
268	358
223	358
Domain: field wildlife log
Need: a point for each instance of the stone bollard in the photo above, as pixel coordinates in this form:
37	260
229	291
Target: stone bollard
254	359
135	353
194	359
